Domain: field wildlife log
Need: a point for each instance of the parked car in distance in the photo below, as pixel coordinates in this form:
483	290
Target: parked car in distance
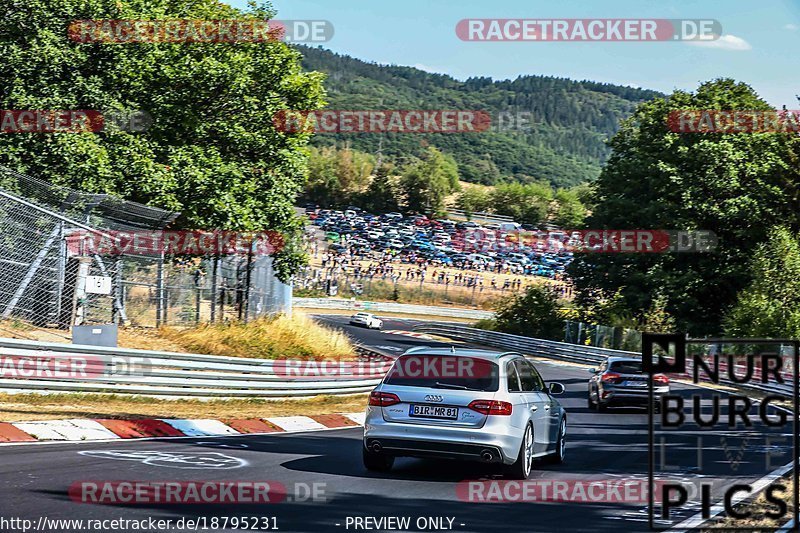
367	320
495	409
621	381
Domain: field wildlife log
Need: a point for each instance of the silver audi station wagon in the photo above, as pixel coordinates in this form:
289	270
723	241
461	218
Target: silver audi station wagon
464	404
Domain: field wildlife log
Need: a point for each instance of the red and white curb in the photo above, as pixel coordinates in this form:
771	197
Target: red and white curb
102	429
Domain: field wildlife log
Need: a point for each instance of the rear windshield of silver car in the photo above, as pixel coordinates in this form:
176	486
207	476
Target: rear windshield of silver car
626	367
445	372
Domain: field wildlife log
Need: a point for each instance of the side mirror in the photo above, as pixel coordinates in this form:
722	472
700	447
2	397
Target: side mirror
593	371
556	388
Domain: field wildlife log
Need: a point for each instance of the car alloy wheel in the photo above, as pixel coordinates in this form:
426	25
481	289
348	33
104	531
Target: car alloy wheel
527	441
561	444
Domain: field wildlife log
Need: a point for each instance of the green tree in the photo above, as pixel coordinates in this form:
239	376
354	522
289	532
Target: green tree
527	203
212	151
323	184
426	183
337	176
736	185
770	305
657	319
380	196
535	313
353	169
474	200
568	211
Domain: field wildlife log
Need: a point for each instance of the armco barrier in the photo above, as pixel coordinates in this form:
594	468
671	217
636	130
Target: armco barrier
562	351
172	374
541	348
389	307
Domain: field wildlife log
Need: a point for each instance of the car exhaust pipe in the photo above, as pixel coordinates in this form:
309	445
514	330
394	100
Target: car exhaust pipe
487	455
376	447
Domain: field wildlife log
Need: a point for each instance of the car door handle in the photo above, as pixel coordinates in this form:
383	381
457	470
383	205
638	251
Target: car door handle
547	407
534	408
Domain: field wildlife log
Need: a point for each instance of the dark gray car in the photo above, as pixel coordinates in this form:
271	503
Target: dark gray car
620	381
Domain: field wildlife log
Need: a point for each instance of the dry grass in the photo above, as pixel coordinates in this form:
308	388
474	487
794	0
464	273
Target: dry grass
147	339
296	337
30	407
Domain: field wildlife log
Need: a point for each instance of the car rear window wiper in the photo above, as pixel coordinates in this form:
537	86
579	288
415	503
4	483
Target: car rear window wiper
453	386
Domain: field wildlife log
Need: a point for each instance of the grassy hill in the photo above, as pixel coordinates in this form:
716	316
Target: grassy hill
564	145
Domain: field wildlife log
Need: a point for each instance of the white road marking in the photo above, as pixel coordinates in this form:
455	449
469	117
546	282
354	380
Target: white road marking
181	460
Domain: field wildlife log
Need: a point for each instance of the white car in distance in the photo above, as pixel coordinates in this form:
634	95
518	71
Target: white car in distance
367	320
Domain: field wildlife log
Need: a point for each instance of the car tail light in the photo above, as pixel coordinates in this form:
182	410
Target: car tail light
491	407
611	378
661	379
383	399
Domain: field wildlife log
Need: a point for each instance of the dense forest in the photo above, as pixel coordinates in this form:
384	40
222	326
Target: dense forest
564	144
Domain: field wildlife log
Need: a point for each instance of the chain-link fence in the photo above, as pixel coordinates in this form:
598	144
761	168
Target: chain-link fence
47	282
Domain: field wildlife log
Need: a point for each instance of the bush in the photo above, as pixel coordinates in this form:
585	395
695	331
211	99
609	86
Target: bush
535	313
488	324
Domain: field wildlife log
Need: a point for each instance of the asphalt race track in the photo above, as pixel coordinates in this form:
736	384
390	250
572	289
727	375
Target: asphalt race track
34	479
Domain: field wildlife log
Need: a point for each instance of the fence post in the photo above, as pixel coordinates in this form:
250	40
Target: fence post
160	291
248	279
61	274
214	270
197	289
118	305
222	300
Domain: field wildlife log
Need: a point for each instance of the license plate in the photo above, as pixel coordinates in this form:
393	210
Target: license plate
635	384
433	411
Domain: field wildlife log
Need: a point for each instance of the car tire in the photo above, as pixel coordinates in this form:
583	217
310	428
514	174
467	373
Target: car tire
376	462
601	407
557	457
589	402
522	467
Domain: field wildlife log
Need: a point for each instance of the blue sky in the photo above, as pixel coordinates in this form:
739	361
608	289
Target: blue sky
759	43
